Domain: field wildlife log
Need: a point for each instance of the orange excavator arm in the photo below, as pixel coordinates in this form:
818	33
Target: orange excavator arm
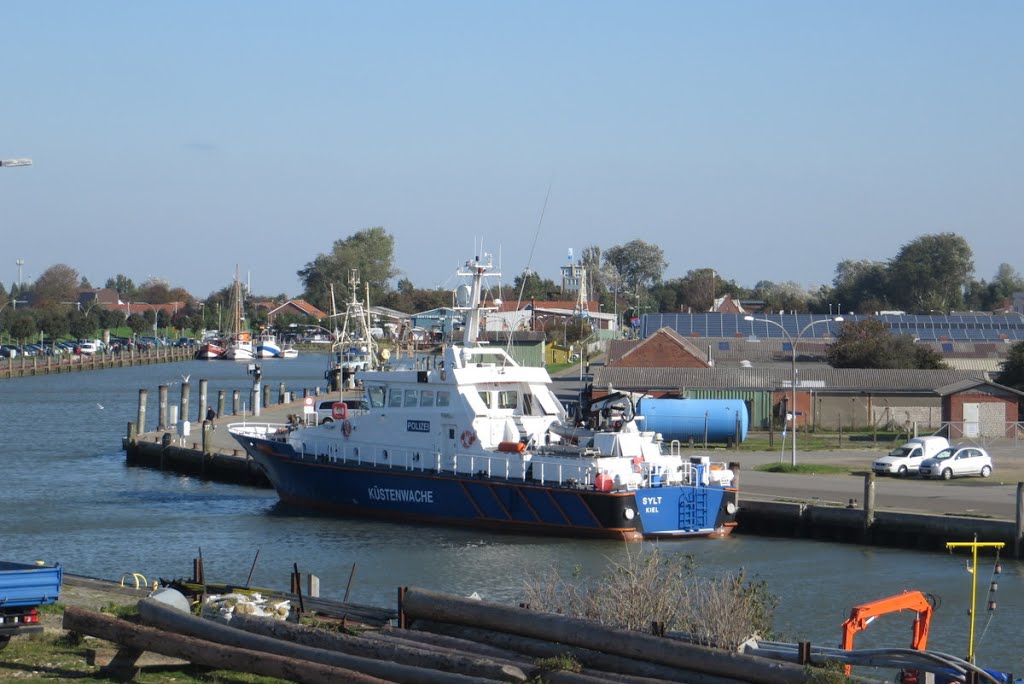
862	615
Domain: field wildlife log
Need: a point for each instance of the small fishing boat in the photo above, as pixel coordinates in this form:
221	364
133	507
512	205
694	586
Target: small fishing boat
469	437
210	349
267	346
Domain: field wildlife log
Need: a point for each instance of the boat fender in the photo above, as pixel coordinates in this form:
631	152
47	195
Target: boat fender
346	428
468	438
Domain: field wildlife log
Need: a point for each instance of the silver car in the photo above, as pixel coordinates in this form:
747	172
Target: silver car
956	461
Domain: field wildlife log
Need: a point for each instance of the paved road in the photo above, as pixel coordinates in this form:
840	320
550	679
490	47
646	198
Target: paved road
995	496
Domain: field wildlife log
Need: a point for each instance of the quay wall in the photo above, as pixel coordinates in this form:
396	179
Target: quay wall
906	530
70	363
856	525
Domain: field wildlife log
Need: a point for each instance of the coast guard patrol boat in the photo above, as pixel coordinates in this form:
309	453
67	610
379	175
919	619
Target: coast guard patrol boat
469	437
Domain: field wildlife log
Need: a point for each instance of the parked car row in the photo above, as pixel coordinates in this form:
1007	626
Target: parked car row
86	347
934	457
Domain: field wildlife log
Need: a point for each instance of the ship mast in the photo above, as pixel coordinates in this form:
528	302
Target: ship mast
477	268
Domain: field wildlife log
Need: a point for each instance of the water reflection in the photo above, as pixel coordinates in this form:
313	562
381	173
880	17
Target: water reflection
69	497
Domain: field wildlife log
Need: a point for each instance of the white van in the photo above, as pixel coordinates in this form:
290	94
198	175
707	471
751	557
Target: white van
90	346
907	458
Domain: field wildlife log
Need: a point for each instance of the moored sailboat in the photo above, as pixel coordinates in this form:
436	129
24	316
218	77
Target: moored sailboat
240	344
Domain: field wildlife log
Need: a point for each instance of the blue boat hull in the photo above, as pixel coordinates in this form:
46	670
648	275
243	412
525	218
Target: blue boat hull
353	489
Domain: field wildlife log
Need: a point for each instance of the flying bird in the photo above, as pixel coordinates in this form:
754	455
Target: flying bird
99	404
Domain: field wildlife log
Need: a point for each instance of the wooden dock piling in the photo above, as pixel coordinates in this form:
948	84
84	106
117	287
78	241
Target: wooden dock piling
162	417
185	391
203	384
140	424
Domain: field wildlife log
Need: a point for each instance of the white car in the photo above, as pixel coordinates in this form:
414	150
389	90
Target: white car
969	460
907	458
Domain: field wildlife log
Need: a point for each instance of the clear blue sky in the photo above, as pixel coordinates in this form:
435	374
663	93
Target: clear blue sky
768	140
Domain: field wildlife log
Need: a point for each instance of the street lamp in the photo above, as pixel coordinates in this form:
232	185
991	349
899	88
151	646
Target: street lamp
792	345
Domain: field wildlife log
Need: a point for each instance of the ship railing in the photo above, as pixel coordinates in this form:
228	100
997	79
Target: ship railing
485	465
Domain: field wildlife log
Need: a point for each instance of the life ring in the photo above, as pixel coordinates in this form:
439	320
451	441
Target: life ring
346	428
638	463
468	438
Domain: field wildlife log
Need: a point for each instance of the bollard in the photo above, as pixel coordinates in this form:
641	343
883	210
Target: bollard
140	423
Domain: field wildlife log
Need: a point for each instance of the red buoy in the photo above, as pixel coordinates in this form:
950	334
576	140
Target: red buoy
604	482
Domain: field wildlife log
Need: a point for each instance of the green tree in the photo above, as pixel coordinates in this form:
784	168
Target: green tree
80	325
57	286
930	273
869	344
123	285
530	286
23	326
695	291
53	323
859	286
108	318
788	296
1011	373
597	288
369	251
138	324
982	296
640	264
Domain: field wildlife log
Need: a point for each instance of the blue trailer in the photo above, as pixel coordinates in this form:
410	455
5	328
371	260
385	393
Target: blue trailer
23	588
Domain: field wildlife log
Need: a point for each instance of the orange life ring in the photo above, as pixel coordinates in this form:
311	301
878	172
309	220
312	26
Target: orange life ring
346	428
468	438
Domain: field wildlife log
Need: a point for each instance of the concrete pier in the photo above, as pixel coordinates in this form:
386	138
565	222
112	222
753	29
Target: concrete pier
894	512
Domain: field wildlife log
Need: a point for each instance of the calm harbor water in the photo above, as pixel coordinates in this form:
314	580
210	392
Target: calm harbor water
68	497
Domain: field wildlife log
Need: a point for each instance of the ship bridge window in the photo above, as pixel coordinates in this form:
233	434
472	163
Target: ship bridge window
443	397
411	397
548	403
527	404
426	397
395	400
376	396
485	397
508	399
